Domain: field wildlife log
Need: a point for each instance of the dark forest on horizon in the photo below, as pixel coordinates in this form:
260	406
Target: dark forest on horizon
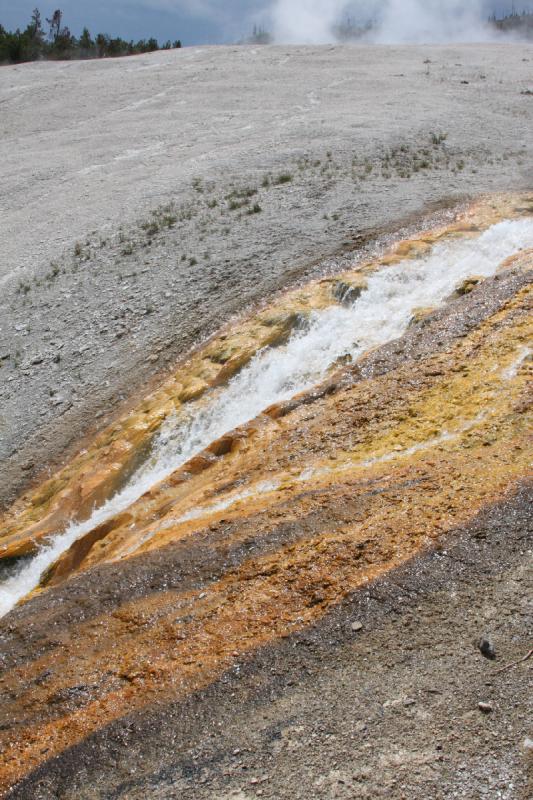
51	39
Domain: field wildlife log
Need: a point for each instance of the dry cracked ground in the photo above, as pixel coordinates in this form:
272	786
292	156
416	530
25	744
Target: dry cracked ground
345	611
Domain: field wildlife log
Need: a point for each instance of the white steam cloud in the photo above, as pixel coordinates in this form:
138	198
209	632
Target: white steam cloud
394	21
305	21
433	21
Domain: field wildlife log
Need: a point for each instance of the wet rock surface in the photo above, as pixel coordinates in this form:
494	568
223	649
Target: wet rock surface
391	711
140	242
215	654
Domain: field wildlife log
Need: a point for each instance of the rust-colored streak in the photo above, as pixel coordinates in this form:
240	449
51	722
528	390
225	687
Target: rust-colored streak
328	492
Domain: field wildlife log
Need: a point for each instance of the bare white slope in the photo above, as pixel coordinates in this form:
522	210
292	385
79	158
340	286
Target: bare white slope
83	144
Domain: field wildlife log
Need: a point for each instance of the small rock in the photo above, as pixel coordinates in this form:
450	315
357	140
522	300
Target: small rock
485	708
468	285
37	360
527	746
357	626
153	358
486	648
420	315
347	292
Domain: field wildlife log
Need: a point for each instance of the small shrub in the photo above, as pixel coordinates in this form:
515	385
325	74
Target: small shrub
242	194
169	220
438	138
285	177
54	272
151	228
23	287
255	209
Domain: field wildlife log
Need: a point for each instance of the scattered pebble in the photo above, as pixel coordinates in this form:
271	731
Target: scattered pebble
487	648
486	708
357	626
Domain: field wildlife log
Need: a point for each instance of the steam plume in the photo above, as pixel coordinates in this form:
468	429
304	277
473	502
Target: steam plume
433	21
306	21
395	21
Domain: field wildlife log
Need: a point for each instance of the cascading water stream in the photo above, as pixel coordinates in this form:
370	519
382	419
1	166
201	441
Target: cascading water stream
381	314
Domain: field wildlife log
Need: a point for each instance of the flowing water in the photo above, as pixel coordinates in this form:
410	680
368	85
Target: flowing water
380	314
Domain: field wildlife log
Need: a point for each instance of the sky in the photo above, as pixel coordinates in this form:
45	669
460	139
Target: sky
220	21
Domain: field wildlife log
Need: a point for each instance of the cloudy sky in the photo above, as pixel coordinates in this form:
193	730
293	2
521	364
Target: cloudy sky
205	21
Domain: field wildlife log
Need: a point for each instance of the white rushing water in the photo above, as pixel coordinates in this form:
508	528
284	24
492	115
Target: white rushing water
381	314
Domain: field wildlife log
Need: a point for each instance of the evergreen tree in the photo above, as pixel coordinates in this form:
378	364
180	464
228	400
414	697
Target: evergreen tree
86	44
32	43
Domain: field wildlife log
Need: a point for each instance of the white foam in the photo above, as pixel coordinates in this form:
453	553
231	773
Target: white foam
381	314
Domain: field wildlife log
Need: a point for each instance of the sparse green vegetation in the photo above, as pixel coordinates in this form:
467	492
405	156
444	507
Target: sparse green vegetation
285	177
54	271
438	139
151	228
239	198
24	287
169	220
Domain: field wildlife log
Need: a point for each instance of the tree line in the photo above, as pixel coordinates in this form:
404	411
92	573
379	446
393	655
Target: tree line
515	22
52	39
